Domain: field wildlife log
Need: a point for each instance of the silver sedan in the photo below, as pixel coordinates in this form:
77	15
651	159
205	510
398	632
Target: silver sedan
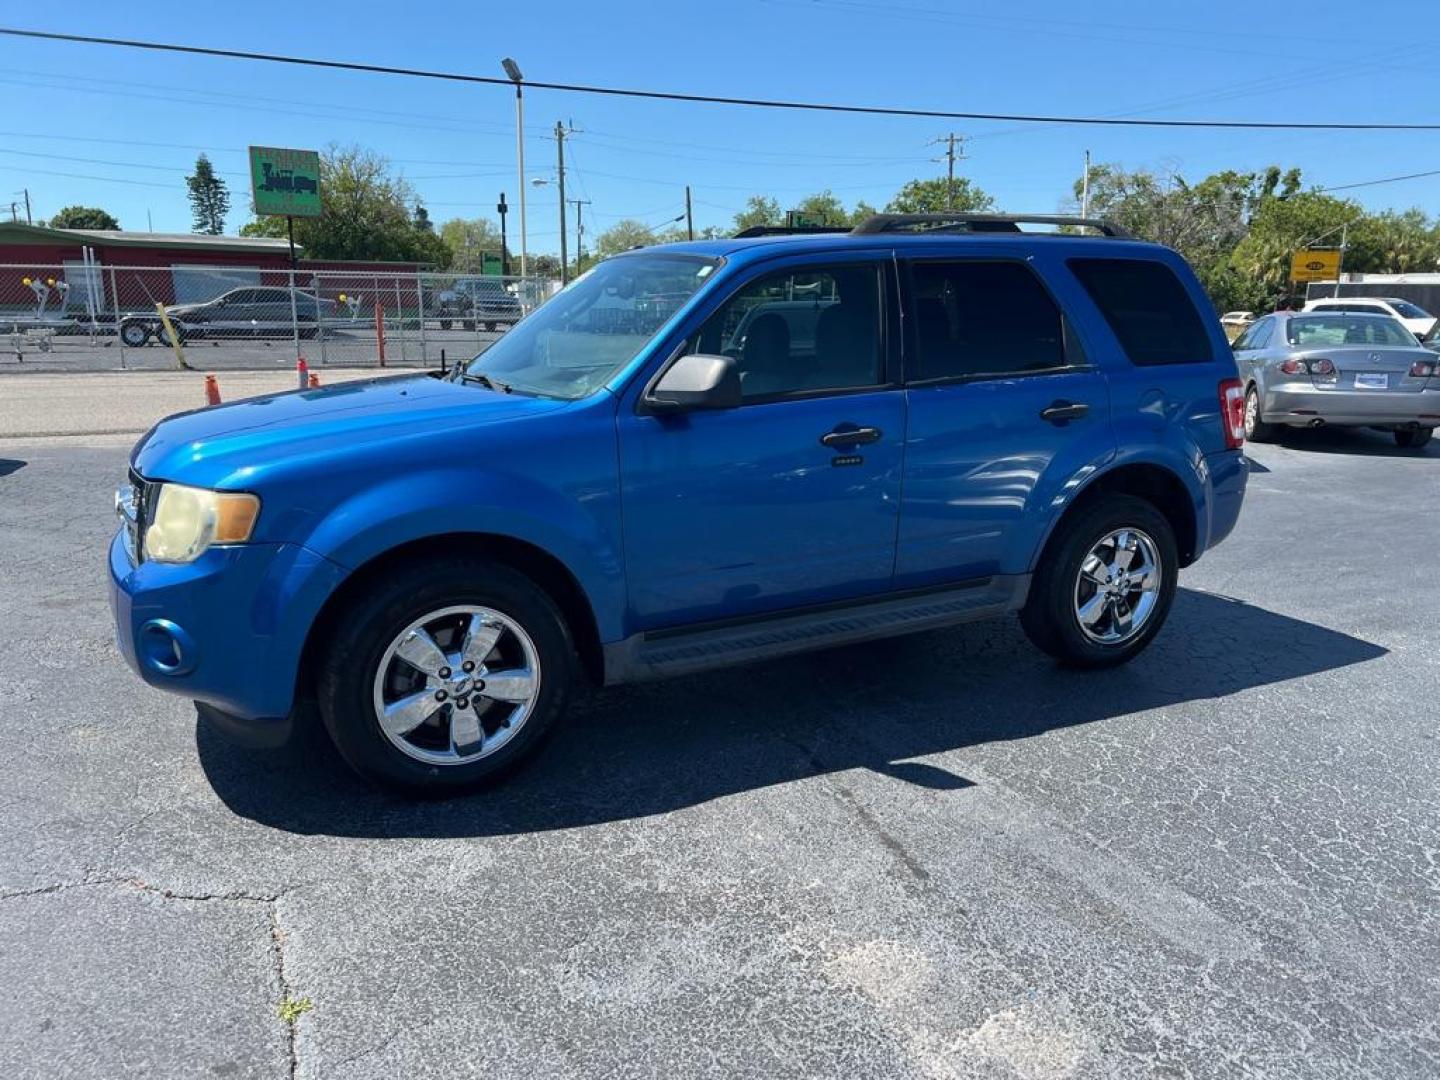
1352	370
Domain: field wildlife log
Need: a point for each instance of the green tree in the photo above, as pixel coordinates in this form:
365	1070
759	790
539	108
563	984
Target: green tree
938	195
1208	222
759	210
209	198
83	217
366	214
469	239
624	235
421	219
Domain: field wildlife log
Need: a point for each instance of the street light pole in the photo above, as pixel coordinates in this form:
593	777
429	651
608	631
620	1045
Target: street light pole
512	70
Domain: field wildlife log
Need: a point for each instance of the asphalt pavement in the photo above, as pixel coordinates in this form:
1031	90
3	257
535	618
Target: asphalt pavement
938	856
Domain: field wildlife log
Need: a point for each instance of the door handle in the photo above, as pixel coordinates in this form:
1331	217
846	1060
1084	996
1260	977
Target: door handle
1062	412
853	437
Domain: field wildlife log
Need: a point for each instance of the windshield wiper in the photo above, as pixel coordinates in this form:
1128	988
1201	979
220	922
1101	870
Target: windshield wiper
486	381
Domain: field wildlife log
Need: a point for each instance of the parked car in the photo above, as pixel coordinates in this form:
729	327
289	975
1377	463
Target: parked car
1415	318
250	311
1347	369
482	301
622	488
1237	318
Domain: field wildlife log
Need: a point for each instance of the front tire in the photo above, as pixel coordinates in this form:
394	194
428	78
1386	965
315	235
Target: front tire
1413	438
1105	584
445	676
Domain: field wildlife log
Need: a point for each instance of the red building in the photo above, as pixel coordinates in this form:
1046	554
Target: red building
172	267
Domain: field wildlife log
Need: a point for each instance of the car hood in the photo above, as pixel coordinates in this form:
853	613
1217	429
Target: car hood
238	444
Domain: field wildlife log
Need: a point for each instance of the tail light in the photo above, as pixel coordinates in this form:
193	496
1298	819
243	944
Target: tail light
1294	366
1232	413
1423	369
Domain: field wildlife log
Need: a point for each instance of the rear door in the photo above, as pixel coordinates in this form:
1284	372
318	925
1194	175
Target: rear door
1003	407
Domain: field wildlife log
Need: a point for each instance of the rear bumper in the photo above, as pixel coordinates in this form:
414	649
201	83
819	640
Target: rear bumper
1300	406
1229	473
226	630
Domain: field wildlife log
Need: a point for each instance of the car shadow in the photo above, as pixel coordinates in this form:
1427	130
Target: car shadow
635	751
1349	440
10	465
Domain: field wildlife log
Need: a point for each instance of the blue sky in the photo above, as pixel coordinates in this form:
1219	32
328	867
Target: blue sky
120	128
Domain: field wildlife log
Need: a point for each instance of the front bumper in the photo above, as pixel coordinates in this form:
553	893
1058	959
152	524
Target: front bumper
1300	404
226	630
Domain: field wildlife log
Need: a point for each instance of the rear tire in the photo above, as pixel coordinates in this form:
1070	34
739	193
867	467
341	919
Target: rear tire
1082	623
362	675
134	334
1413	438
1256	430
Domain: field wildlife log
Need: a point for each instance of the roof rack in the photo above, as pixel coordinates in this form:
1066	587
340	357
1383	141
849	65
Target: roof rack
962	221
788	230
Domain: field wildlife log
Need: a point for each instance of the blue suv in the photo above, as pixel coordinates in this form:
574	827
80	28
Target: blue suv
697	455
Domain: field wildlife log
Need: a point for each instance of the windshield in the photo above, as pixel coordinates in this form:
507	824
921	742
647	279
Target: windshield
1348	330
574	343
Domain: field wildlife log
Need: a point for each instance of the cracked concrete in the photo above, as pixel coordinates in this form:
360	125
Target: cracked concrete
935	857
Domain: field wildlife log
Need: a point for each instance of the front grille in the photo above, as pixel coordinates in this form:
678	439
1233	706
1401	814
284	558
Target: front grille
134	508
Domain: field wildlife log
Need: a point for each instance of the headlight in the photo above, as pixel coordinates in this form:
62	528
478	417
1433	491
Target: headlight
188	520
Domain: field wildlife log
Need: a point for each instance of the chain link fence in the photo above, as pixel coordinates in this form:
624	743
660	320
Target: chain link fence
90	317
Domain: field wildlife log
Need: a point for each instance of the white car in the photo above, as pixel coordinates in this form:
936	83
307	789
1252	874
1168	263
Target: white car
1237	318
1416	319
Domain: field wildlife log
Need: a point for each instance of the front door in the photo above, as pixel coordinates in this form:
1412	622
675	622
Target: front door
1003	409
793	497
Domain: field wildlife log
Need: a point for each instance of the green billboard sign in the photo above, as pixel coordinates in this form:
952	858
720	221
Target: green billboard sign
286	183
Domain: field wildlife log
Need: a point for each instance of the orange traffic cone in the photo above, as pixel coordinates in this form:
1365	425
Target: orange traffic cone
212	391
314	381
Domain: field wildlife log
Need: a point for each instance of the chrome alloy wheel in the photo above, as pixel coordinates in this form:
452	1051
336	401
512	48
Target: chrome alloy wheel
1118	586
1252	412
456	685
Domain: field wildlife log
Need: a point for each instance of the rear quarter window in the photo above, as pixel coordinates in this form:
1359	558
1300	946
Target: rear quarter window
1148	309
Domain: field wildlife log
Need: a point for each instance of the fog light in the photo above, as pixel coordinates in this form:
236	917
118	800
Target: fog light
166	649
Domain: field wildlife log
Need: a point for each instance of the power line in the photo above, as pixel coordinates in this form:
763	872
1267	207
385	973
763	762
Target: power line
708	99
1385	180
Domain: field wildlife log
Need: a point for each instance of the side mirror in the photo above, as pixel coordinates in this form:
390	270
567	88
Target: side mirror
697	381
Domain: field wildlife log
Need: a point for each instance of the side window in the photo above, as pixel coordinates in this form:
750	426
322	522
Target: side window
983	318
816	328
1148	309
1258	336
240	296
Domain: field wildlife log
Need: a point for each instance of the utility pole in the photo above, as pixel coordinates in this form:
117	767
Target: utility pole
689	216
560	165
1340	262
951	154
579	231
28	219
1085	188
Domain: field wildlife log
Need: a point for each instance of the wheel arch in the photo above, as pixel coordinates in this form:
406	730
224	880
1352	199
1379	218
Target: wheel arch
539	565
1158	485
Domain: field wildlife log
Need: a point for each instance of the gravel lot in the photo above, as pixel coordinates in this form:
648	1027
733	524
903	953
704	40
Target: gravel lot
938	856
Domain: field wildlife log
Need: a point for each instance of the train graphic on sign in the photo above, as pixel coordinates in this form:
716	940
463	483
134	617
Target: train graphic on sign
284	180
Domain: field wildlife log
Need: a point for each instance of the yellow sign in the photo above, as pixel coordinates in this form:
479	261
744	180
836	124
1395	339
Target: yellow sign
1315	266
